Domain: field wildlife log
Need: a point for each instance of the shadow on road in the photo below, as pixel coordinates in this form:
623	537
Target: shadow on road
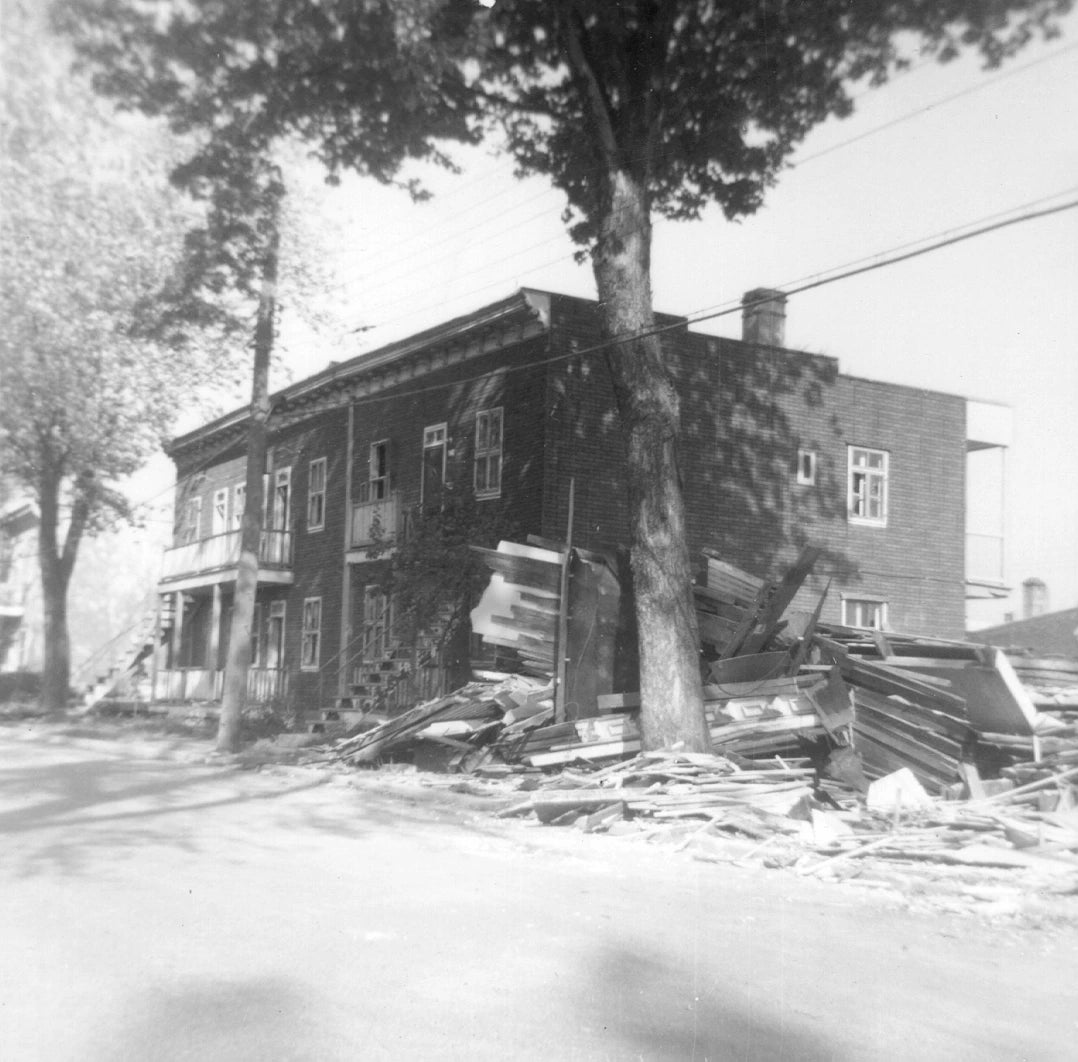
649	1006
211	1019
56	810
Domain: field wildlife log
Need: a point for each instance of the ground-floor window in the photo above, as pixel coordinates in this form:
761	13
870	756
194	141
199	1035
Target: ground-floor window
275	636
864	612
310	645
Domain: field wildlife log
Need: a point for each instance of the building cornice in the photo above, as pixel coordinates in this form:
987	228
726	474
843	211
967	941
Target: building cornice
524	314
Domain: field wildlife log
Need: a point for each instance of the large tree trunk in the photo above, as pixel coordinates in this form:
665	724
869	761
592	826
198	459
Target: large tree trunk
56	566
238	663
671	696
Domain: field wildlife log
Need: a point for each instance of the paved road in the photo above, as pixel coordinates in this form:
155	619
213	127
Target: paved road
157	910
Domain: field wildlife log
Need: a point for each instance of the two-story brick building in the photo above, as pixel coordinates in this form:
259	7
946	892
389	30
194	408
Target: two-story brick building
512	403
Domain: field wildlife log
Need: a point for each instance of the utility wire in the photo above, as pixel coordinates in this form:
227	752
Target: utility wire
797	163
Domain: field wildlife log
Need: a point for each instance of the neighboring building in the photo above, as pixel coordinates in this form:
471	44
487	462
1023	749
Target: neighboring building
514	402
20	583
1049	634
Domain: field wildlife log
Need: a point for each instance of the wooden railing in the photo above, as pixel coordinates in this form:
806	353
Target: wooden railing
219	552
373	520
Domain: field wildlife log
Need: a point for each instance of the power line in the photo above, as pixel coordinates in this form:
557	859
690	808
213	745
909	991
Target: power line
979	86
698	316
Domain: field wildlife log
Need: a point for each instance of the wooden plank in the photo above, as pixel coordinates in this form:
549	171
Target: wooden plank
521	571
777	603
756	667
584	752
715	630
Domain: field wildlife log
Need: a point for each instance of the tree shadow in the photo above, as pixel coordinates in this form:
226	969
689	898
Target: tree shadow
650	1007
211	1018
58	816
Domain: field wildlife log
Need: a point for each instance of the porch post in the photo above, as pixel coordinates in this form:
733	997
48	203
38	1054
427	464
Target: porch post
177	637
156	647
214	649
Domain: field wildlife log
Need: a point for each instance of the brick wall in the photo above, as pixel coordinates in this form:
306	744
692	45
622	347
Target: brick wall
745	412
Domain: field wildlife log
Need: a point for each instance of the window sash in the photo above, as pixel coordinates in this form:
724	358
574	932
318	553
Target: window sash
488	453
867	613
192	520
806	467
239	503
312	632
868	475
316	495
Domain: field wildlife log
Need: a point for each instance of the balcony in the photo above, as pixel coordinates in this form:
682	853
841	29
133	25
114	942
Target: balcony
215	559
375	521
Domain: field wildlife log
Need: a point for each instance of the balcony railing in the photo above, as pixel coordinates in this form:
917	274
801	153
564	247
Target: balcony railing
375	520
984	557
221	552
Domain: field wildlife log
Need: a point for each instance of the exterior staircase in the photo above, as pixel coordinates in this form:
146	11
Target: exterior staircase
112	668
383	685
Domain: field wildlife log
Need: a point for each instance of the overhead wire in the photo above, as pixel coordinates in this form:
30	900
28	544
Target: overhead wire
979	86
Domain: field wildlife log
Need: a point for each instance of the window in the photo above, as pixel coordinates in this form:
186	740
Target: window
806	467
219	519
282	499
275	636
239	503
864	612
488	453
191	530
867	501
377	486
434	447
7	555
256	636
316	495
312	633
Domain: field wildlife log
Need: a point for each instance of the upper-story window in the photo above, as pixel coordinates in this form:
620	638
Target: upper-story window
488	453
281	512
806	467
435	439
219	518
316	495
867	494
191	528
239	503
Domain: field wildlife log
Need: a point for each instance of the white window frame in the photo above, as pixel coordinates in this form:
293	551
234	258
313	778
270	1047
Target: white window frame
806	467
239	504
281	514
277	611
487	455
191	531
310	646
860	478
256	635
376	485
219	513
853	609
435	436
316	495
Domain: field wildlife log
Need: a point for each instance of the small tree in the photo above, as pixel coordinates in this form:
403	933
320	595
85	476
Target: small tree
87	234
252	81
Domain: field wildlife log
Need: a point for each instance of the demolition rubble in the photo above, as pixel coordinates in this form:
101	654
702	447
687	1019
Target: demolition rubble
832	746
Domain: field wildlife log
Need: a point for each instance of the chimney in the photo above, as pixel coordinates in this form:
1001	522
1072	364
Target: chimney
763	317
1034	598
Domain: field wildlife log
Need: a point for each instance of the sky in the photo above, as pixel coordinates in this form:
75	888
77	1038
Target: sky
939	151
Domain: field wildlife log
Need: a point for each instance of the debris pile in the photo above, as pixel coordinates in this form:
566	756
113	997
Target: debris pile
830	743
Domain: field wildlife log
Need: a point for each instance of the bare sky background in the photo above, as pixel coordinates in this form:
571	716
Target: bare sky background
937	151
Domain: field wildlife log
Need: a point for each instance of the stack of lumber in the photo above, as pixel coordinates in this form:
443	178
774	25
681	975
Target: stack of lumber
519	608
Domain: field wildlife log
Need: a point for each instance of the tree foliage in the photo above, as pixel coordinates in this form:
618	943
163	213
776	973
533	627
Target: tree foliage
703	102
